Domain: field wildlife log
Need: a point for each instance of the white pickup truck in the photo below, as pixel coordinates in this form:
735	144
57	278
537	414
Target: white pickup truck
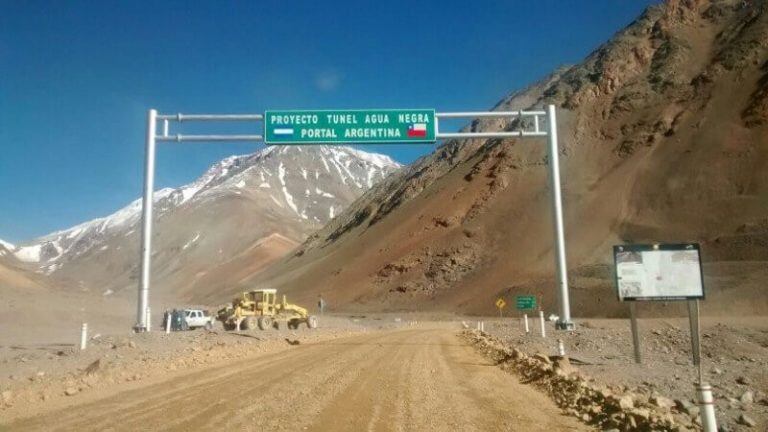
197	318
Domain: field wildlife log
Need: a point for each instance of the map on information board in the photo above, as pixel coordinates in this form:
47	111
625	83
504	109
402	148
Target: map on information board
658	272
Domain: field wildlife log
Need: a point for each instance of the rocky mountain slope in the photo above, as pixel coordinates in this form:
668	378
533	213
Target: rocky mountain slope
12	271
244	212
663	138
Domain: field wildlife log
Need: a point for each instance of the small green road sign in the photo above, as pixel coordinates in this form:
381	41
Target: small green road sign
525	302
349	126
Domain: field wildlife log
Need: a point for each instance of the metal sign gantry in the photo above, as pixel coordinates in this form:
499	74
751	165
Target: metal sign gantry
524	130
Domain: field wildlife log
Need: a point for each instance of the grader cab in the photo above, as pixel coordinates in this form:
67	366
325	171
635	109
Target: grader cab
259	308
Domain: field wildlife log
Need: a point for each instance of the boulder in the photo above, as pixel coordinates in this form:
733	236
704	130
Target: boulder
662	402
626	402
746	421
747	397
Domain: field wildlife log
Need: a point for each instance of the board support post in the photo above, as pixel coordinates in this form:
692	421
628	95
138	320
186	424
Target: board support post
635	331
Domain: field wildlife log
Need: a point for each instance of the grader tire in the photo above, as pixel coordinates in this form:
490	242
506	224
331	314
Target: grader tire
229	326
265	322
293	324
312	322
249	323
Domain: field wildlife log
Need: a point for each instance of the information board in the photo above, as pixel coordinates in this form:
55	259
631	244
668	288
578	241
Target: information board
658	272
350	126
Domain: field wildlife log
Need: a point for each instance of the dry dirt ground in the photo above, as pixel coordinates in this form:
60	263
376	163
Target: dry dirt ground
734	353
399	377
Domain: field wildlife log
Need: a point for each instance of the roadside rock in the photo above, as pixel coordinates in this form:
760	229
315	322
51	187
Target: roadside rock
626	402
71	391
746	421
607	408
687	407
662	402
93	367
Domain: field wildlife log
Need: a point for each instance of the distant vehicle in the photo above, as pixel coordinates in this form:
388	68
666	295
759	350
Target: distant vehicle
197	318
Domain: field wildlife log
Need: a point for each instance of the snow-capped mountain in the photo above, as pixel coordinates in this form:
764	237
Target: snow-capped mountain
288	191
6	248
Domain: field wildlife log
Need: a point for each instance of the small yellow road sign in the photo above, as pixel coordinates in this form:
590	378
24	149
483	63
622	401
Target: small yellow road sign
500	303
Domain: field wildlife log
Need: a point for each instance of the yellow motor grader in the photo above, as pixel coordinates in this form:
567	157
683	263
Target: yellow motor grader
259	308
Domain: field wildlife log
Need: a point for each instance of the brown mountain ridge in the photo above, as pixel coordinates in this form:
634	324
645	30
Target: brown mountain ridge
662	139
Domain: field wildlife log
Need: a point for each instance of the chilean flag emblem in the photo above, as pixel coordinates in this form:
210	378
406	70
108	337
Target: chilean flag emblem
417	130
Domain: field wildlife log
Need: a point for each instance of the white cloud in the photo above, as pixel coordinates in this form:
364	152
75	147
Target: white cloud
328	80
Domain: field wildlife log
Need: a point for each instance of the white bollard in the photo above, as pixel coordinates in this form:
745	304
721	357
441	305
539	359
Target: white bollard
525	320
543	329
168	317
149	316
560	348
707	404
84	336
482	326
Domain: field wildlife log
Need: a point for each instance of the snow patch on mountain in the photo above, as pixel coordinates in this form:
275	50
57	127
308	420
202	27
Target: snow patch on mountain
29	253
192	241
288	196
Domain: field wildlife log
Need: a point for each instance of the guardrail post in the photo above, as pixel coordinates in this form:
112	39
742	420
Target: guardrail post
84	336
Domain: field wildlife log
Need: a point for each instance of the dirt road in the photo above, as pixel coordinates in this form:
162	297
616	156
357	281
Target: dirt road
414	379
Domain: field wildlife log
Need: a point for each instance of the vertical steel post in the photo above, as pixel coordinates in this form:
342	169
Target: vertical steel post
564	322
525	320
543	325
707	410
693	321
635	331
146	222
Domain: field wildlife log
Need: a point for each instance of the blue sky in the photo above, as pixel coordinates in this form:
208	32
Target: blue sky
76	79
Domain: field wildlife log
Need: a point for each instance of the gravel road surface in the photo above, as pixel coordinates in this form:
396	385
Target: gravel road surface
423	378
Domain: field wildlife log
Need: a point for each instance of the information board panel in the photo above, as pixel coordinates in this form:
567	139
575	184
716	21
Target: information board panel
658	272
350	126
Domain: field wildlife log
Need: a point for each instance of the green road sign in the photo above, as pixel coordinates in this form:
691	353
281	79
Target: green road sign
526	302
349	126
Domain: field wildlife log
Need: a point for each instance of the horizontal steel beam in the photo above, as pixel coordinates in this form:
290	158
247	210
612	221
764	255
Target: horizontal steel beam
259	117
489	114
180	138
514	134
210	117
